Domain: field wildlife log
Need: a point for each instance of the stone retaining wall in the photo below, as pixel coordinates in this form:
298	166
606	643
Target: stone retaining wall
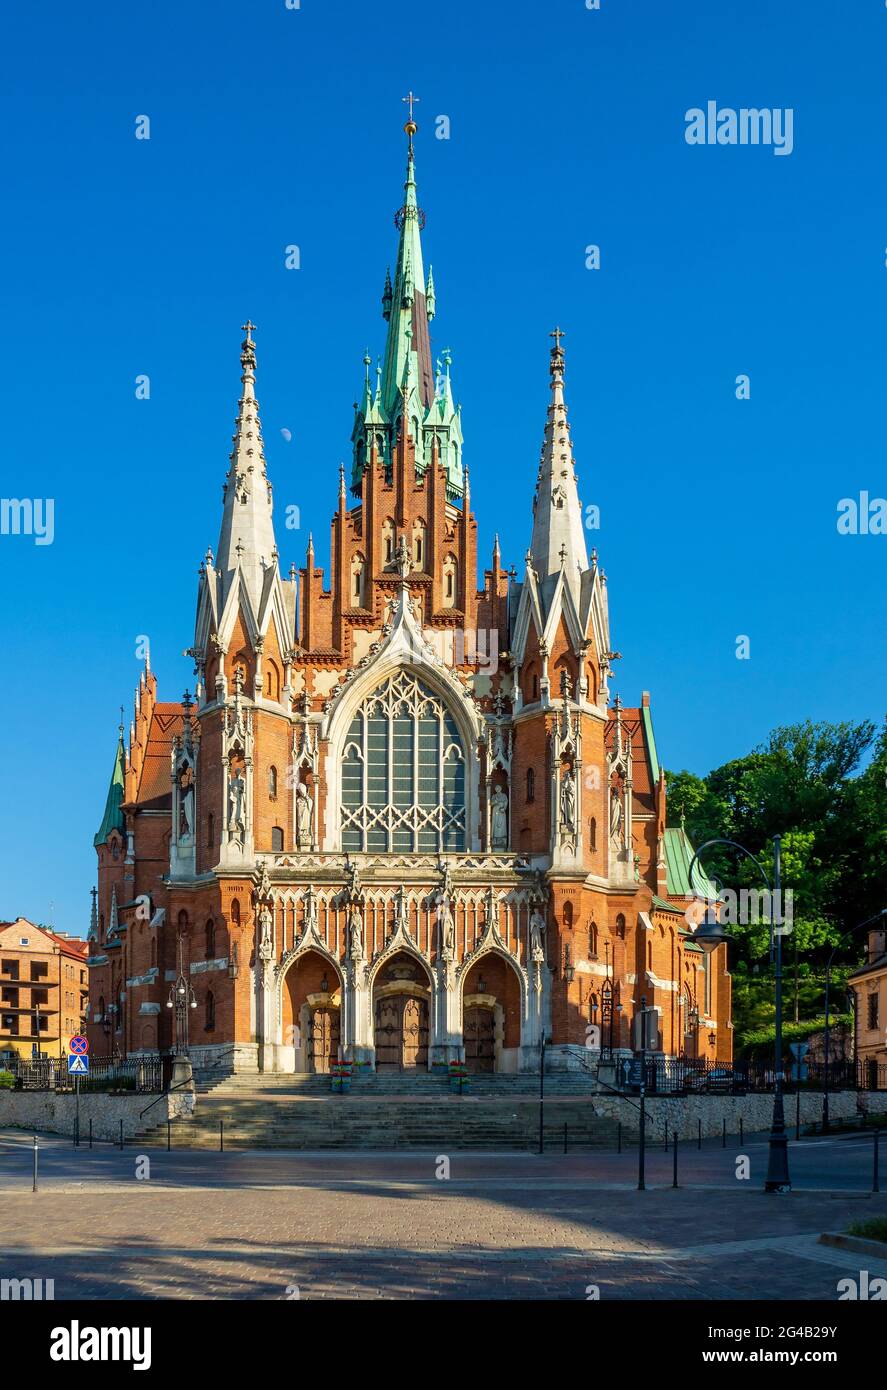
53	1113
756	1111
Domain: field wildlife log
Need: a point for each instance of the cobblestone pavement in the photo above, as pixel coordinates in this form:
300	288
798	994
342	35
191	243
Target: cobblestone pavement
275	1226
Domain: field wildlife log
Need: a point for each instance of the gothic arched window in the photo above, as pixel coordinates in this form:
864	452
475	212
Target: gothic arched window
210	830
210	1011
531	784
403	773
592	834
272	783
620	927
210	939
276	839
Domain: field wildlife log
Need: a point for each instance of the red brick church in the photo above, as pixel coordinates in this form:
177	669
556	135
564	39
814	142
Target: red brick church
402	818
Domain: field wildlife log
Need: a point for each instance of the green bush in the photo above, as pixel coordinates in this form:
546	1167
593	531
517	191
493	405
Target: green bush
7	1081
758	1042
873	1229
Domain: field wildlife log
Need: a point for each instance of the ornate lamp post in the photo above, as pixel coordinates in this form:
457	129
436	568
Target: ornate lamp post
181	999
709	935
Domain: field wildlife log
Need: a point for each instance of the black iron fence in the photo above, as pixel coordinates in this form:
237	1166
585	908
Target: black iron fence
139	1074
681	1076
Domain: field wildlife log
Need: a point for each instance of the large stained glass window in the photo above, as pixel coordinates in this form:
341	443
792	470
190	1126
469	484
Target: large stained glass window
403	773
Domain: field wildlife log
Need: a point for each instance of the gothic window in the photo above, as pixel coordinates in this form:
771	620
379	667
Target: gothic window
403	773
872	1017
592	939
357	581
388	541
620	927
277	839
210	1011
450	574
418	545
568	916
592	834
272	680
210	830
531	785
235	911
272	783
535	687
210	939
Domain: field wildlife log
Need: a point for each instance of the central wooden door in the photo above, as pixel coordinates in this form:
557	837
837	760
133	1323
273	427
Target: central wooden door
324	1040
478	1035
401	1033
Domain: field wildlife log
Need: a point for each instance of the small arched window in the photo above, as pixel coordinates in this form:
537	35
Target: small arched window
568	915
272	783
620	927
592	834
531	784
235	911
210	830
450	574
210	1011
277	839
592	939
210	939
388	540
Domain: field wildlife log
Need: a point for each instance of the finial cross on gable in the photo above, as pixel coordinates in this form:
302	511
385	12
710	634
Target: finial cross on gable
248	328
409	99
557	335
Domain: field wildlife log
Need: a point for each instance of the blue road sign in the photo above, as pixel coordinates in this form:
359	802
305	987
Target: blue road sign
77	1066
79	1044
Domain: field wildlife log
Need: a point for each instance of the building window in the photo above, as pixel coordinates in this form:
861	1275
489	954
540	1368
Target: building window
450	573
418	545
531	785
620	927
183	920
272	783
210	830
277	840
235	911
873	1011
210	1012
592	834
403	773
535	687
388	541
210	939
592	939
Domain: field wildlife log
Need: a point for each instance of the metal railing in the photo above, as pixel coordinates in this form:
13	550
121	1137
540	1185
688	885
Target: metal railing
139	1074
686	1076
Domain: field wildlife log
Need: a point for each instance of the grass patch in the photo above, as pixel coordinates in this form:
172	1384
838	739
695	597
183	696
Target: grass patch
873	1229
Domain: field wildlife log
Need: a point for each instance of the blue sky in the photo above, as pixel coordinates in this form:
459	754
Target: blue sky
272	127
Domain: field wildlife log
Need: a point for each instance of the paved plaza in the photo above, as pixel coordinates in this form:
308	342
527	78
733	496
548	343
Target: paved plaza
384	1225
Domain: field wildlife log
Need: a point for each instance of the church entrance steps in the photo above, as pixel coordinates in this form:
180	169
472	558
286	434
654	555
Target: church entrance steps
444	1122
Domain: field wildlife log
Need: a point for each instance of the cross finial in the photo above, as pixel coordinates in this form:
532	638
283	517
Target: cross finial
248	328
409	99
121	719
557	335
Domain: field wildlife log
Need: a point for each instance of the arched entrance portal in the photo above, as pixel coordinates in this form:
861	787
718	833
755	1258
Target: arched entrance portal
491	1014
311	1000
401	1005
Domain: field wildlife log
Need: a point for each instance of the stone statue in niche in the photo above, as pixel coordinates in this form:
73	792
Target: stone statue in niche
355	935
186	801
568	801
499	819
266	946
447	929
537	935
616	814
236	800
304	816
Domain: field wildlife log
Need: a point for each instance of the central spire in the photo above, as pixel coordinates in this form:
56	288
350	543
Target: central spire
558	533
405	304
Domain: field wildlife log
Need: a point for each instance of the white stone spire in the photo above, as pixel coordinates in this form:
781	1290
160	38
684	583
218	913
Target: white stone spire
558	533
247	535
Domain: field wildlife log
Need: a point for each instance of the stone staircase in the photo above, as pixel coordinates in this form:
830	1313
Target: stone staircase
407	1110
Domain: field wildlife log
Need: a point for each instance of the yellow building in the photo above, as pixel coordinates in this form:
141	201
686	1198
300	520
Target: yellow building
869	984
44	990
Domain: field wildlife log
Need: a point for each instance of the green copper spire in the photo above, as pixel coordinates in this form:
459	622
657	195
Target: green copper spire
113	817
407	384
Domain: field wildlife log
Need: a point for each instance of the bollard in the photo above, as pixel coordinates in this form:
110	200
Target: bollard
34	1186
674	1182
876	1185
619	1138
121	1134
221	1136
168	1135
699	1139
90	1131
724	1137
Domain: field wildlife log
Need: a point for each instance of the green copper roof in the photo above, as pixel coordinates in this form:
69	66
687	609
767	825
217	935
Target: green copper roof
647	719
113	817
678	857
410	385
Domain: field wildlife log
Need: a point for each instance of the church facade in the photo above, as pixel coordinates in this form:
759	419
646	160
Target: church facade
402	819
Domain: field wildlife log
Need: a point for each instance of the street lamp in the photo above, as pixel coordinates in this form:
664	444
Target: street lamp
878	917
181	998
709	935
